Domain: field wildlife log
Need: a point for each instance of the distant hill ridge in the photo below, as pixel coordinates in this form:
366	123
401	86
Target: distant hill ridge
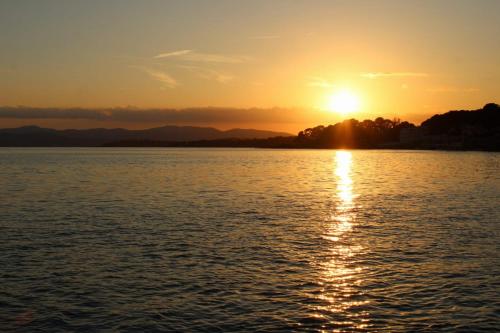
38	136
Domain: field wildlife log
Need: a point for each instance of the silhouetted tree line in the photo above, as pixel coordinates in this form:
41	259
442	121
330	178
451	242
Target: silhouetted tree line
464	130
353	134
484	121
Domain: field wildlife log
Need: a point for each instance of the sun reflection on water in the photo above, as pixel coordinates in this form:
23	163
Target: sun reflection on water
341	275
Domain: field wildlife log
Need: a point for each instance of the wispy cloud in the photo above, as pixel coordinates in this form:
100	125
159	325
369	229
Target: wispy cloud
172	54
217	76
319	82
209	74
205	57
167	80
265	37
452	90
375	75
192	56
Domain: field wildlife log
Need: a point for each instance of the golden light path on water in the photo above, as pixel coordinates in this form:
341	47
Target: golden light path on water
341	275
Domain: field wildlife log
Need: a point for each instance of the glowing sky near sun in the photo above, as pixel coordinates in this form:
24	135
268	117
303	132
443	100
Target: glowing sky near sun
409	59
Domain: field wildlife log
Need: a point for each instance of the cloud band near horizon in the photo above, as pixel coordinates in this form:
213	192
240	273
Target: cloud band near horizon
201	115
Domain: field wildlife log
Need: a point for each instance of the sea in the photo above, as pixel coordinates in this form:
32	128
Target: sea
248	240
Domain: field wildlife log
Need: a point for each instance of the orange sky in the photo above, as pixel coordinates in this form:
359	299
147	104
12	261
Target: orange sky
400	59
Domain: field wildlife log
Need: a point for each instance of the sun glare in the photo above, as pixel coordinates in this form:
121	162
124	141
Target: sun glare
343	102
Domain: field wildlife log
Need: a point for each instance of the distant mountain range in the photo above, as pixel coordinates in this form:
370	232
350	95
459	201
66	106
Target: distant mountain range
34	136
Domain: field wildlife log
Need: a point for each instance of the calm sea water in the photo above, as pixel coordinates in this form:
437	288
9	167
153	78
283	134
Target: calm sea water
237	240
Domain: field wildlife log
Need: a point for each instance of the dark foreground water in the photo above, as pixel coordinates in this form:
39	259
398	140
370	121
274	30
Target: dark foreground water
153	240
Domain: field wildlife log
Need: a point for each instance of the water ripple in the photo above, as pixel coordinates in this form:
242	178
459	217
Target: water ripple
244	240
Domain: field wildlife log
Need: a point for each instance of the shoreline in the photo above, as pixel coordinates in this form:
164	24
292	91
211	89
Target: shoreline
269	148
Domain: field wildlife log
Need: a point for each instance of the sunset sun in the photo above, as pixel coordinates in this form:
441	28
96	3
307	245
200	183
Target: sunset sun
343	102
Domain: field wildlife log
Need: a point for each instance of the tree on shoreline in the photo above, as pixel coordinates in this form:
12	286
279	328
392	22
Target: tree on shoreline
352	133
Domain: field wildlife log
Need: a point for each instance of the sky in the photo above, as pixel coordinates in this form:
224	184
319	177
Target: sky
251	64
